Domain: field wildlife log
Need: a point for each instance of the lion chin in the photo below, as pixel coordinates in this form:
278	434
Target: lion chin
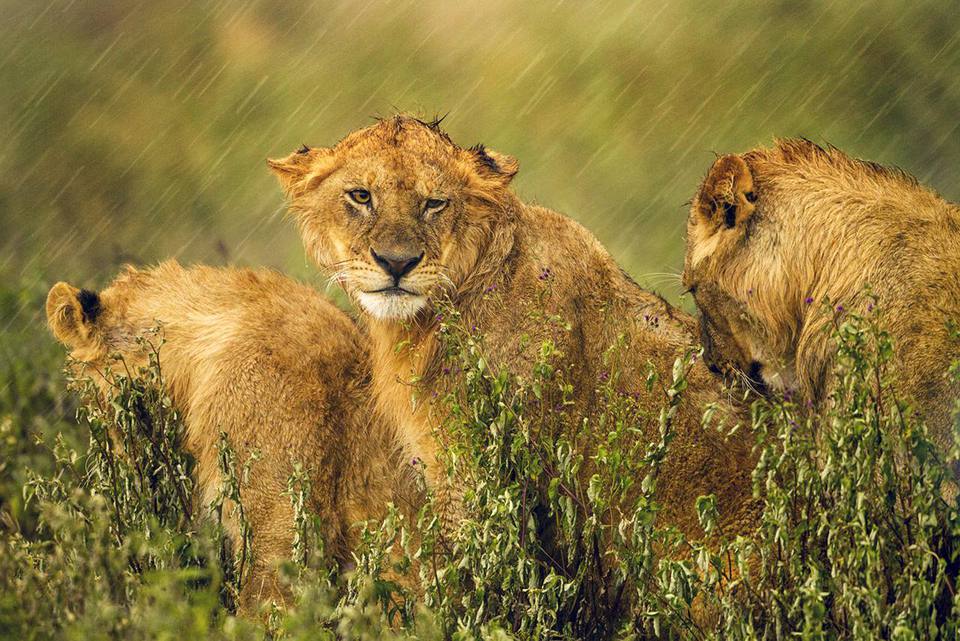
385	306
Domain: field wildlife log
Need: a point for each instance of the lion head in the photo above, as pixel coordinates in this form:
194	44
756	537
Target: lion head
746	267
396	211
774	234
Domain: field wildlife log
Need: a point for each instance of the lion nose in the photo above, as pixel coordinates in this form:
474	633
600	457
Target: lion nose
396	266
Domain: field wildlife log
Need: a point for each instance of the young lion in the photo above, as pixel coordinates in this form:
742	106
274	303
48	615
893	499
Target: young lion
773	232
401	215
268	361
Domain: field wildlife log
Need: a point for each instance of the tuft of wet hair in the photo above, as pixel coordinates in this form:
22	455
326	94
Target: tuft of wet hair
397	123
434	126
434	123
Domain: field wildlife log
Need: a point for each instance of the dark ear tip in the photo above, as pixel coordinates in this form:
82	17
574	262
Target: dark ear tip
729	215
495	162
89	303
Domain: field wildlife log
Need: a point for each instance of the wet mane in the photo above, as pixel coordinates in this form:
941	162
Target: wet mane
801	152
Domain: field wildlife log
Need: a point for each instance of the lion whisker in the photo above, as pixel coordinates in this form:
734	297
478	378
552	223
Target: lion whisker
672	278
334	279
446	279
747	381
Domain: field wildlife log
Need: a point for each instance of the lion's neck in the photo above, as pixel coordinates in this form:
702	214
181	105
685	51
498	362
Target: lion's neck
406	357
399	357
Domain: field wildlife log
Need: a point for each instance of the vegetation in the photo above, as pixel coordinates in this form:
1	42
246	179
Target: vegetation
856	539
137	131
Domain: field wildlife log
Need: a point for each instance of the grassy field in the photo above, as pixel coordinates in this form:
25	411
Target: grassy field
137	131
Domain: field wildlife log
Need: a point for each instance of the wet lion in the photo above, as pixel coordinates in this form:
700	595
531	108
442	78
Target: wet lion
402	217
270	362
773	233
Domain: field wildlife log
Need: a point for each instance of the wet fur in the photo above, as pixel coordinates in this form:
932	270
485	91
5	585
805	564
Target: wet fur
274	365
506	265
823	225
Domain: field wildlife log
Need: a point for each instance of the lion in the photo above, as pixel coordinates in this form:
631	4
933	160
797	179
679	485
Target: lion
402	217
773	233
271	363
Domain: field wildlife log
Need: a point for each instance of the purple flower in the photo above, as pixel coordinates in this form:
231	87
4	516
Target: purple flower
415	461
545	273
750	292
490	289
840	308
808	300
439	317
604	376
869	307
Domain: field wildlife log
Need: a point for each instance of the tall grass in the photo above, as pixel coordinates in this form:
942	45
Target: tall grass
855	541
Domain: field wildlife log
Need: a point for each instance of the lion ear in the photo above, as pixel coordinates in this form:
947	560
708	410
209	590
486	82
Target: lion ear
727	196
495	165
71	313
302	170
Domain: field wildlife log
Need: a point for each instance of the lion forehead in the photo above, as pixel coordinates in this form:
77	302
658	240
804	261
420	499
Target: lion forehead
404	172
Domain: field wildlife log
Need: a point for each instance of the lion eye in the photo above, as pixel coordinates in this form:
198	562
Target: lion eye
434	204
360	196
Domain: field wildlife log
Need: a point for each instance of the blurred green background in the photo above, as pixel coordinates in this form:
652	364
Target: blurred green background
134	131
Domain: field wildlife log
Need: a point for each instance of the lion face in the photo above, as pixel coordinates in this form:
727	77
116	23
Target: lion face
735	269
396	211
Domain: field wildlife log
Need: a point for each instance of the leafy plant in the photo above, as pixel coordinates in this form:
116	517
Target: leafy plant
859	536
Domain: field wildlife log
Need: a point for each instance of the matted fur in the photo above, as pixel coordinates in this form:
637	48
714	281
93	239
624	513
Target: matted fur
271	363
813	224
505	266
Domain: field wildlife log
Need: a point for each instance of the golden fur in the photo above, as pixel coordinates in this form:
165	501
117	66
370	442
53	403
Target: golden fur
506	267
774	232
271	363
